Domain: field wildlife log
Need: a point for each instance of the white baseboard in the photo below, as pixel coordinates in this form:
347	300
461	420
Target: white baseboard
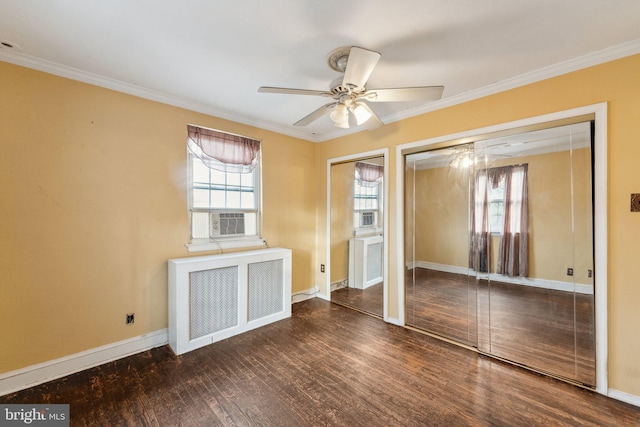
304	295
624	397
557	285
30	376
344	283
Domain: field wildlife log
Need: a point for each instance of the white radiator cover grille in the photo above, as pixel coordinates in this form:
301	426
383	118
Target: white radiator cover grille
213	300
265	288
219	296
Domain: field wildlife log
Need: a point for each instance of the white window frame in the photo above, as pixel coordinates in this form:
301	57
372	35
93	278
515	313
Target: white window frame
358	228
222	243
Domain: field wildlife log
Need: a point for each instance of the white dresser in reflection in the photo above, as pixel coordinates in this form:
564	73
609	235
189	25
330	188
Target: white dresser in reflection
365	261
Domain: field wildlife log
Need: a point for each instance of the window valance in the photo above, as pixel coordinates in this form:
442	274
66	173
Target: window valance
369	175
223	151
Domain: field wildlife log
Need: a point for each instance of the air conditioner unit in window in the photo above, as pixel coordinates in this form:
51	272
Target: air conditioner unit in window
368	219
227	224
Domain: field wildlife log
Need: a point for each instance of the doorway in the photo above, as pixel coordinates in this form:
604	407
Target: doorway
357	243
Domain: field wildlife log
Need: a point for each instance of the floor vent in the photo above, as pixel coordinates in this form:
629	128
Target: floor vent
215	297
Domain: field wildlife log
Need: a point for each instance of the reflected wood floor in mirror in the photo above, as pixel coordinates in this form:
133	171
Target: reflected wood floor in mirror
369	300
325	366
528	325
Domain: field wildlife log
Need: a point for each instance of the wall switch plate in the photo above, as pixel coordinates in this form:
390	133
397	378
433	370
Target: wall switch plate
635	202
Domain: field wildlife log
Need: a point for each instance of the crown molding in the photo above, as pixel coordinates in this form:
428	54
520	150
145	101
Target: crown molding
72	73
599	57
565	67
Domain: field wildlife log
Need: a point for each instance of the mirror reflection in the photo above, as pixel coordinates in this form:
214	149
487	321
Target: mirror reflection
356	234
499	244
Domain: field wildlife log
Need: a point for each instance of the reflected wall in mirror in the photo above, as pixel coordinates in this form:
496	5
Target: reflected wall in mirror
521	277
356	234
440	295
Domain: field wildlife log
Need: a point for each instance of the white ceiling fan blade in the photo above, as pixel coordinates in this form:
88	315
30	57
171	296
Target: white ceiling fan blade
325	109
374	121
423	93
288	91
360	64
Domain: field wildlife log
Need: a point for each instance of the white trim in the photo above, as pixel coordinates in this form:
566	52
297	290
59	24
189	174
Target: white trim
304	295
42	372
556	285
600	218
226	244
601	247
384	152
394	321
624	397
574	64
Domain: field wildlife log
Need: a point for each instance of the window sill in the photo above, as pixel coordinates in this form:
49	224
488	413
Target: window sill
367	231
216	245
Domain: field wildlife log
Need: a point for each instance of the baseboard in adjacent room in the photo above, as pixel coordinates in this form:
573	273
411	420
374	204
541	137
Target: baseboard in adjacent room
30	376
304	295
580	288
339	284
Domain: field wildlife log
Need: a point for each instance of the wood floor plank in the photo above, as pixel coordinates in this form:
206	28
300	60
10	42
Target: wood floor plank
326	366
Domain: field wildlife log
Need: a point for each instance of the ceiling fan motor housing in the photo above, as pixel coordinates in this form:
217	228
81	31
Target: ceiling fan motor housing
337	58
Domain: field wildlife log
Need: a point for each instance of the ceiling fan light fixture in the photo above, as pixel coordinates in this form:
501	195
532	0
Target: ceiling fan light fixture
343	124
361	113
340	116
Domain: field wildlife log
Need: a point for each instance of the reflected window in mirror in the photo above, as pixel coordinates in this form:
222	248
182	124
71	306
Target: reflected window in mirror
496	207
366	197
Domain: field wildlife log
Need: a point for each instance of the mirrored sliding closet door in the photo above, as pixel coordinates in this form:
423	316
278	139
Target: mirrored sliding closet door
499	244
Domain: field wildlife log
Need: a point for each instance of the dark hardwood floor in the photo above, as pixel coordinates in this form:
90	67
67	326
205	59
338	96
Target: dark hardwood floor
369	300
325	366
549	330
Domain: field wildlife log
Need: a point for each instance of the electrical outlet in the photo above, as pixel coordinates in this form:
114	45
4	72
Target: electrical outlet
589	273
635	202
569	271
131	317
321	268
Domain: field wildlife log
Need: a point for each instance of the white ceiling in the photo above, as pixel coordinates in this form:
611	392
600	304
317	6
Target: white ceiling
211	56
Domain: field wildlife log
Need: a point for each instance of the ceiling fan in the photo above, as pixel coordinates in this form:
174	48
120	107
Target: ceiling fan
350	93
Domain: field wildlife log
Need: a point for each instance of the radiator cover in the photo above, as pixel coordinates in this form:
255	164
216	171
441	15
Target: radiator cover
365	261
218	296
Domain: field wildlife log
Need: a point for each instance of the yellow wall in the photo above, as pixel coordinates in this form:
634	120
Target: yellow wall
93	203
442	215
617	84
442	199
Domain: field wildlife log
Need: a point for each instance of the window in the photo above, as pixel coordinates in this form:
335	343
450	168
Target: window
496	207
224	193
366	195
